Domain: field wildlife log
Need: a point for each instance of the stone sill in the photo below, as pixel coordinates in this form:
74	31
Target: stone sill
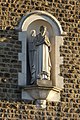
30	87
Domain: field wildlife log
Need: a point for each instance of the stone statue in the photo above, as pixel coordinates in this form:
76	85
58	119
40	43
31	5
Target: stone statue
41	65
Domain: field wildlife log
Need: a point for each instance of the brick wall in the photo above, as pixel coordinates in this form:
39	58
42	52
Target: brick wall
9	65
11	106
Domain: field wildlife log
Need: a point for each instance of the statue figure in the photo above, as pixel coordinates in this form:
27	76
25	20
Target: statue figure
41	64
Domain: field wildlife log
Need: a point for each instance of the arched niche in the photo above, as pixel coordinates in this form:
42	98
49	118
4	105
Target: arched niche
33	21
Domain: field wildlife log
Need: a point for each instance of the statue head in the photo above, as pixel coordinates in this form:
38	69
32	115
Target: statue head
33	33
43	30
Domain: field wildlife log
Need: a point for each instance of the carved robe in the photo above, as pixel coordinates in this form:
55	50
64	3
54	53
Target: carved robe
41	59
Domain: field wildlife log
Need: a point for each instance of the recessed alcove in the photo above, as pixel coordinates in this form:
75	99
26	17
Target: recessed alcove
30	22
35	26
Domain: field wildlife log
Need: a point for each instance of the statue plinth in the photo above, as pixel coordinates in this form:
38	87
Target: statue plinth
46	83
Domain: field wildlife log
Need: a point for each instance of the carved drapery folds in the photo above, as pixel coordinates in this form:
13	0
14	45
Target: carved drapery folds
39	55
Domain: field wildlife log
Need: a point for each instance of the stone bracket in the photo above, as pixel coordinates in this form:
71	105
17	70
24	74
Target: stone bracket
33	92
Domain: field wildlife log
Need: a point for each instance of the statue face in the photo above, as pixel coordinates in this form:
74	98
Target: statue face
43	29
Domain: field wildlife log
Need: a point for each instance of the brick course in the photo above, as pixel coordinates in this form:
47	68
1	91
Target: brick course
67	12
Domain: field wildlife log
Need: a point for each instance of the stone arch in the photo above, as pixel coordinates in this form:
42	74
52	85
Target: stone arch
30	18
